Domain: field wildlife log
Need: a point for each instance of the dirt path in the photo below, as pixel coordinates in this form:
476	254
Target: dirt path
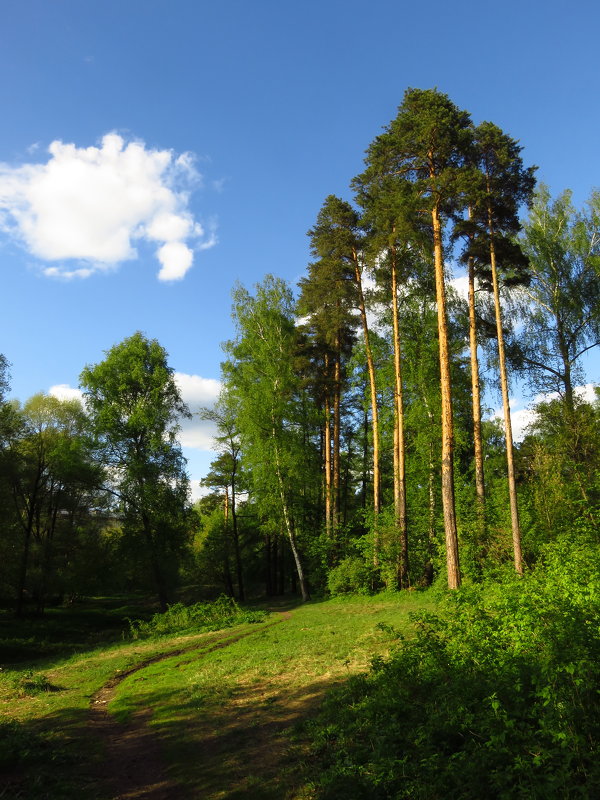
133	766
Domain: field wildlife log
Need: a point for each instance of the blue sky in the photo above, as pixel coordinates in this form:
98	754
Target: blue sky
236	119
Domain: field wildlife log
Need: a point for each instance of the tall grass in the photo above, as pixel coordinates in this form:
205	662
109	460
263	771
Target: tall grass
178	618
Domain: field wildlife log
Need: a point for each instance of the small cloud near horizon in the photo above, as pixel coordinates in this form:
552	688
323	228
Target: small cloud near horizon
522	418
196	393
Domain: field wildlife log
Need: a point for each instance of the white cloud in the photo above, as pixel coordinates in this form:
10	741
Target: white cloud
587	393
198	434
176	258
197	393
89	206
62	391
521	418
461	286
196	490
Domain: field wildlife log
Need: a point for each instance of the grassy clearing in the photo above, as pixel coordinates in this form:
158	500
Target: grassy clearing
46	686
223	716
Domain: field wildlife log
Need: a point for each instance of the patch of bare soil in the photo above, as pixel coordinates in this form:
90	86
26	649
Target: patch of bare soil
133	766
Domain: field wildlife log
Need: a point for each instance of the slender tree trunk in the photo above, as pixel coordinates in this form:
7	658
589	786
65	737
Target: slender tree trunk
28	529
431	517
476	393
365	458
236	541
346	481
566	376
159	577
47	537
374	405
399	444
512	489
268	567
23	571
228	580
431	478
280	565
337	392
288	525
448	504
327	454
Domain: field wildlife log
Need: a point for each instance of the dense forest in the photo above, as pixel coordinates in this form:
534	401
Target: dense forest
355	451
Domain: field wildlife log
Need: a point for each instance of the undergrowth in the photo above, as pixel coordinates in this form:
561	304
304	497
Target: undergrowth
495	696
221	613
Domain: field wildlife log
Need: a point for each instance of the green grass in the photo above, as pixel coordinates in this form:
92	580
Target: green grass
223	715
265	683
66	629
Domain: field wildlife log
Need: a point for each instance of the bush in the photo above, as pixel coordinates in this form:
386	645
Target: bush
494	697
32	683
221	613
350	576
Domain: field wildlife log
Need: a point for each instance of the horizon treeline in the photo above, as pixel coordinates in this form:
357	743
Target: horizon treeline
354	449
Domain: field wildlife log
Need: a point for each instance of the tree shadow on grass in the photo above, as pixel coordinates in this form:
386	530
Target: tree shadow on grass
242	748
47	759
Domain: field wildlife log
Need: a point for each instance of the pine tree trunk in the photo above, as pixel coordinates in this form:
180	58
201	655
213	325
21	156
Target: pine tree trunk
399	444
374	406
327	455
448	504
337	391
476	393
512	489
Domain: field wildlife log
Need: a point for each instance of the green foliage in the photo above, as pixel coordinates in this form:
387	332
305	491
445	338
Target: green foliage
135	407
32	683
221	613
561	310
494	697
351	576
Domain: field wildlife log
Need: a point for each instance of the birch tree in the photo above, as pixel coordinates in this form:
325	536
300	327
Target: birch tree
263	383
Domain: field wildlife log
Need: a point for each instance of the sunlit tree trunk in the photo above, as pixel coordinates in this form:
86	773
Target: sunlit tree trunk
327	456
372	386
337	391
512	489
399	443
288	525
476	393
448	503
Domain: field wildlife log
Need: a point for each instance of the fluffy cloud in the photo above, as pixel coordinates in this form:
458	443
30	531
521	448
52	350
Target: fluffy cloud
196	392
62	391
460	286
89	206
521	418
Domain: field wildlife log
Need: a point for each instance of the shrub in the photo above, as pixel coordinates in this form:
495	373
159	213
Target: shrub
496	696
32	683
221	613
351	575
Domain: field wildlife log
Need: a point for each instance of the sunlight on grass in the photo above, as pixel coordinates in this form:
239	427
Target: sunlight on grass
223	703
227	713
